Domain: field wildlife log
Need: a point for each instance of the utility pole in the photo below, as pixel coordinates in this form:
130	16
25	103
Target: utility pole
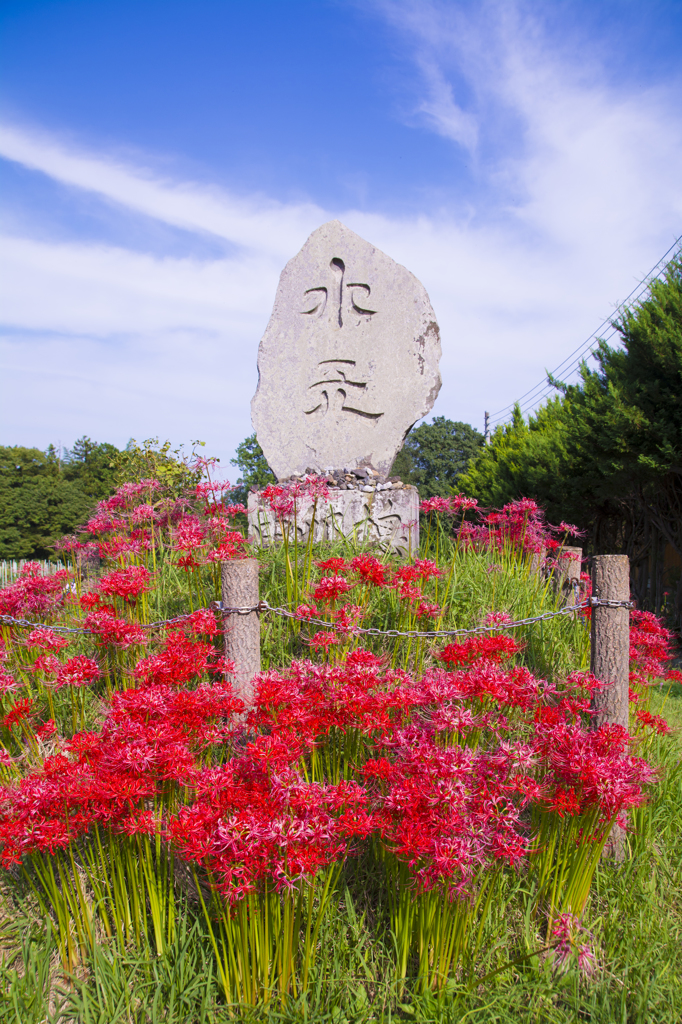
486	428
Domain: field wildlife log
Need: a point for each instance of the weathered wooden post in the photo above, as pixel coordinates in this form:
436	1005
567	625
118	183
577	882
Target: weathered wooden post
567	573
610	655
242	631
611	638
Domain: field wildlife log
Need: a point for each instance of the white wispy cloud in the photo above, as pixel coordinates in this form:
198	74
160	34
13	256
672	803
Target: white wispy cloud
442	112
253	222
578	200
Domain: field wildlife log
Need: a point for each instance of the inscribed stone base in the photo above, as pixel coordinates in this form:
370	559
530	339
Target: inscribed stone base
387	518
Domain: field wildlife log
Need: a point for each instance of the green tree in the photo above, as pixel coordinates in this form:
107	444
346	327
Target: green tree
607	453
435	455
43	496
152	460
93	465
254	467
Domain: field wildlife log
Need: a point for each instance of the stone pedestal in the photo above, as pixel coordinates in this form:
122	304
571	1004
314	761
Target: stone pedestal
385	518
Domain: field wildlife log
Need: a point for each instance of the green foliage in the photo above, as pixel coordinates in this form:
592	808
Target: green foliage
152	460
607	453
42	497
255	470
435	455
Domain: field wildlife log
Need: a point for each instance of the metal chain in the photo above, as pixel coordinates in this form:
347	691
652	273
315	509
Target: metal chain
596	602
414	633
263	606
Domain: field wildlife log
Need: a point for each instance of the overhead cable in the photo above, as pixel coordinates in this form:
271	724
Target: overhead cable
542	390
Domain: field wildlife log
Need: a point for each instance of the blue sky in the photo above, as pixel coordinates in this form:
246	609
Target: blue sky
160	162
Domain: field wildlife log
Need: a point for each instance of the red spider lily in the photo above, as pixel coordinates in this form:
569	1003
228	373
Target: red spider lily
316	701
316	488
591	768
91	600
46	729
179	661
476	648
202	622
251	826
32	593
46	639
323	639
114	631
445	812
330	589
126	583
335	565
213	489
102	522
21	710
406	579
77	671
496	618
189	534
47	664
189	562
348	618
426	569
572	531
463	504
369	569
231	546
144	514
428	610
307	611
120	546
436	504
650	644
7	682
191	711
282	503
655	722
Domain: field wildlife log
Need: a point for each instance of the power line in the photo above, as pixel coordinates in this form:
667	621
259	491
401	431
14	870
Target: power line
542	390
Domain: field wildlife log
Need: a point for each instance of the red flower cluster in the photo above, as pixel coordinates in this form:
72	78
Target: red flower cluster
251	823
34	594
650	647
151	739
180	659
126	583
479	648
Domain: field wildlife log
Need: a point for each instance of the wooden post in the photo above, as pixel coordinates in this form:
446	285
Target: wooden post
567	572
611	638
242	632
610	656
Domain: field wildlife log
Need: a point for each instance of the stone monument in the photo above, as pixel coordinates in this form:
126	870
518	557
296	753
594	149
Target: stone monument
348	363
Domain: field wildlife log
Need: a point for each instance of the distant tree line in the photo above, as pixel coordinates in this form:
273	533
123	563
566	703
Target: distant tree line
434	457
44	495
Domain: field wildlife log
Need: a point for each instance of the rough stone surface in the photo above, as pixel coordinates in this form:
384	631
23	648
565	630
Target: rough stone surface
388	518
349	360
